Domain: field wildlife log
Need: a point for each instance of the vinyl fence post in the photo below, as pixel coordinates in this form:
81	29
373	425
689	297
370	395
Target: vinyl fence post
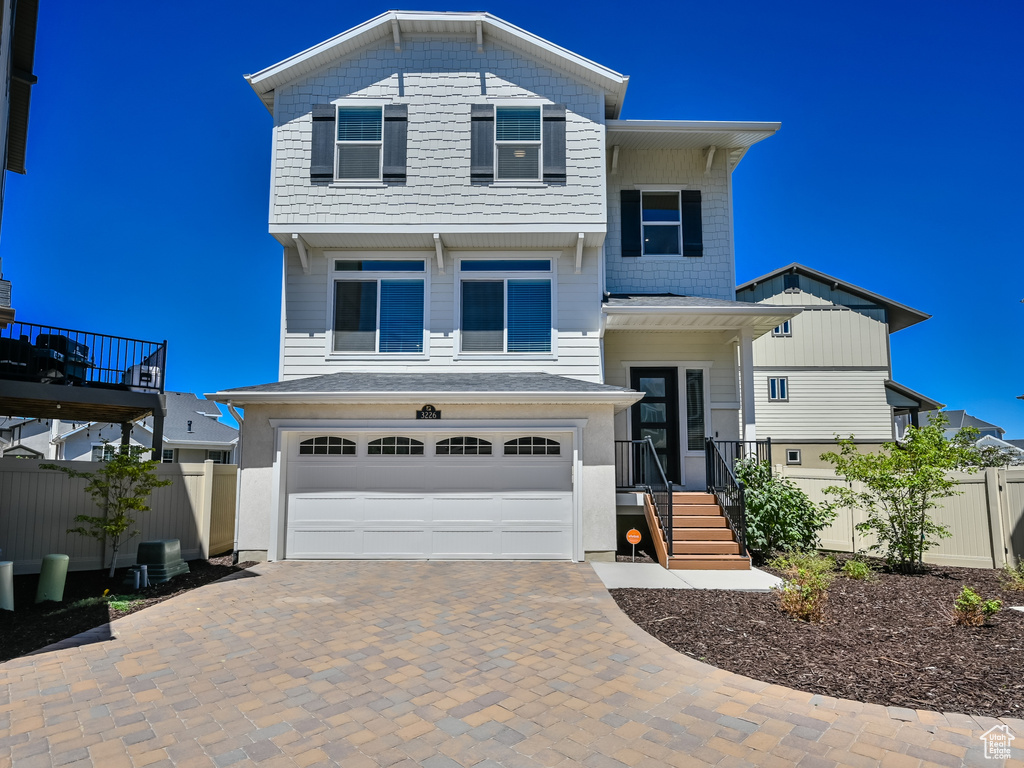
995	517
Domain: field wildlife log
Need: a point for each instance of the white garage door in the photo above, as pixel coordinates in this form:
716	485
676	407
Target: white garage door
429	495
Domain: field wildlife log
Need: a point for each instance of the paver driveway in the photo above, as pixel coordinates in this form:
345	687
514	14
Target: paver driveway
433	664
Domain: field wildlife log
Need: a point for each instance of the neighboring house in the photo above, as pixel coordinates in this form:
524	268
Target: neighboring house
828	371
958	419
485	269
192	433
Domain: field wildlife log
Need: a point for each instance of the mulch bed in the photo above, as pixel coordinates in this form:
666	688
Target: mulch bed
31	627
889	641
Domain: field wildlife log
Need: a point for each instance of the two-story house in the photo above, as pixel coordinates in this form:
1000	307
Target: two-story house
827	373
485	270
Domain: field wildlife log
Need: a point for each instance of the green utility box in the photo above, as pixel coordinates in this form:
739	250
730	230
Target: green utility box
52	575
162	559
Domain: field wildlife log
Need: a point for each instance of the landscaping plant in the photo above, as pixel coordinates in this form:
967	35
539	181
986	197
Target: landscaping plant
858	570
970	610
120	487
1012	577
804	592
780	516
901	483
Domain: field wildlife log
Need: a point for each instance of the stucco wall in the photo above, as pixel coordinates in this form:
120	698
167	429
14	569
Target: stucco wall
597	485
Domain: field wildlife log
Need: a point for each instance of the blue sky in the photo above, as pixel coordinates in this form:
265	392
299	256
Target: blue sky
144	211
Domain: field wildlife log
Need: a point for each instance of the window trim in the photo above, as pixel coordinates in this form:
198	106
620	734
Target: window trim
785	330
792	460
334	276
459	276
539	143
340	104
782	388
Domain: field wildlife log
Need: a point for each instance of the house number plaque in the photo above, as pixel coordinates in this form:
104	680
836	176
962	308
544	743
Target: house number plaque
428	412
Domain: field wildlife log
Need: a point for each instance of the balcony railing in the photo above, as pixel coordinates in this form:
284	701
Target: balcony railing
49	355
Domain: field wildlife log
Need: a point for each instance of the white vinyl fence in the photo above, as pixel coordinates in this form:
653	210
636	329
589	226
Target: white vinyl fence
986	519
37	506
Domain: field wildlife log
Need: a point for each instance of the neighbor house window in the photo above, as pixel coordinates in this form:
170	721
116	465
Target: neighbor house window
783	330
167	457
791	283
778	388
532	446
326	445
219	457
394	446
358	143
517	143
463	446
378	313
506	314
793	456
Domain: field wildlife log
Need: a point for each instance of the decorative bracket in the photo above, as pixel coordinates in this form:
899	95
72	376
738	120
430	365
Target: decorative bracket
397	34
711	156
579	253
300	246
615	159
439	249
479	37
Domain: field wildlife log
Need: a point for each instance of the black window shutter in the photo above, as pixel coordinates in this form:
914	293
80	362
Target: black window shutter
321	164
693	232
554	143
631	223
481	154
396	134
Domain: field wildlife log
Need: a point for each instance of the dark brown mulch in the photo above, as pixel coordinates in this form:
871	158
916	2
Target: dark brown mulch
889	641
31	627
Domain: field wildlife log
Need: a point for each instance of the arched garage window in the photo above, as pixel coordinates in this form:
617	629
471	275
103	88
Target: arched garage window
394	446
532	446
325	445
463	446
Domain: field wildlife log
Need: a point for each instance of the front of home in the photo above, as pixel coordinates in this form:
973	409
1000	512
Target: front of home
485	272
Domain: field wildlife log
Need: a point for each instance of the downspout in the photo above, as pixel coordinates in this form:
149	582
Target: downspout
238	475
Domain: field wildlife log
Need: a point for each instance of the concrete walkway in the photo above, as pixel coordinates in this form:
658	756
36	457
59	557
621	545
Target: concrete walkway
432	664
653	576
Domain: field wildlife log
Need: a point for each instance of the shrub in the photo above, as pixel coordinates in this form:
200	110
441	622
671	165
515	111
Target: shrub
1013	578
780	516
804	592
901	483
970	610
858	570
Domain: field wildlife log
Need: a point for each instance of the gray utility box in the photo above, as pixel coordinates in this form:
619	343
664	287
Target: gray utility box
162	559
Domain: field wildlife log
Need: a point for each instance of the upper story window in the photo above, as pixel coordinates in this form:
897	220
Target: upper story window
501	313
661	223
522	143
377	311
783	330
359	143
517	143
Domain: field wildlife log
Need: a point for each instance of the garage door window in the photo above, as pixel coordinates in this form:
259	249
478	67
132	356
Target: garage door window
463	446
395	446
325	445
532	446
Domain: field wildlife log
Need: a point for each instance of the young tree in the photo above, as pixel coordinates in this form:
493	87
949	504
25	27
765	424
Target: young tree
902	482
121	486
780	516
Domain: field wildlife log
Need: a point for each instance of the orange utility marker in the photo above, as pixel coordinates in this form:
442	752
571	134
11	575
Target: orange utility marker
633	537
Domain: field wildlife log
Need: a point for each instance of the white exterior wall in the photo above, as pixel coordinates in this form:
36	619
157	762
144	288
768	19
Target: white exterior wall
309	316
823	403
711	276
438	78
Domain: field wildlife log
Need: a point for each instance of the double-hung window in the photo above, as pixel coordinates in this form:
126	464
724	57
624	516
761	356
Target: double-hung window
378	306
517	143
358	143
662	223
506	306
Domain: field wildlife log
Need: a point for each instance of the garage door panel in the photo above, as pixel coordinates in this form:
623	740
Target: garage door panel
324	476
318	543
552	543
325	507
536	509
466	543
396	543
452	509
401	475
410	509
517	475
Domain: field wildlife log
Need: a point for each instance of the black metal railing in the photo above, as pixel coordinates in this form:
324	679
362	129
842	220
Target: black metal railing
43	353
637	467
734	450
727	488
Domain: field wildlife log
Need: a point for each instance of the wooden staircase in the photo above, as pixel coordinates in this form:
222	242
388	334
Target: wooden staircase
701	537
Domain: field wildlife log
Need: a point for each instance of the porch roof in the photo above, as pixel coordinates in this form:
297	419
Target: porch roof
669	312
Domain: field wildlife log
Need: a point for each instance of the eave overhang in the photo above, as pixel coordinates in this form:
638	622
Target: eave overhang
756	317
454	236
244	398
923	403
384	27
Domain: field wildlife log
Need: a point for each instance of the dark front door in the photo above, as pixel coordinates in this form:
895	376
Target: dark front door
657	415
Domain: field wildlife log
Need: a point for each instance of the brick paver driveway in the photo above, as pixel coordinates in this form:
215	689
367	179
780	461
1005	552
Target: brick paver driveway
433	664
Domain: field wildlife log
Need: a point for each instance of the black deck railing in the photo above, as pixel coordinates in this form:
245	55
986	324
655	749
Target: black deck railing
50	355
733	450
725	485
637	467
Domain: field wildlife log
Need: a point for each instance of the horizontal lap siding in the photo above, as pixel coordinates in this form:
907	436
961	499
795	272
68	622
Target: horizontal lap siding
823	404
309	299
438	79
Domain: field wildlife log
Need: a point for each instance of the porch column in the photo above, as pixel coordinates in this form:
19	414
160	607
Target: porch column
747	383
126	434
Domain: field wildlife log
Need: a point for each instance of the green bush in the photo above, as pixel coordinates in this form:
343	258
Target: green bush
858	570
780	516
804	592
1013	578
971	610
